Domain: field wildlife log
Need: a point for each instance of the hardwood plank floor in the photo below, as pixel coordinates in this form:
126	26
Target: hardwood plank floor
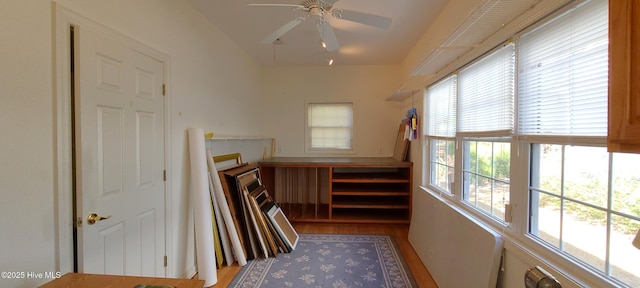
398	231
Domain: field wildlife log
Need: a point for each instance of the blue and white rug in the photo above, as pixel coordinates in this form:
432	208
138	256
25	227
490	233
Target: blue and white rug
331	260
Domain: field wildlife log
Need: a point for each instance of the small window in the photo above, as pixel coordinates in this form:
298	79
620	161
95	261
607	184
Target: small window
485	122
330	126
486	176
441	132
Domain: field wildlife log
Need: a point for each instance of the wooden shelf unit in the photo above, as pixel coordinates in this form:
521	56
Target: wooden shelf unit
360	189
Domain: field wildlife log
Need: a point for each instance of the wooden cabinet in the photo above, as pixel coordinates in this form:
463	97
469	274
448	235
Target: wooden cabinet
357	190
624	76
371	194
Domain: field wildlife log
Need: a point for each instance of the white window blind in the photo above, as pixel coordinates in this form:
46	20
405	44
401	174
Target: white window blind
486	93
563	74
442	108
330	125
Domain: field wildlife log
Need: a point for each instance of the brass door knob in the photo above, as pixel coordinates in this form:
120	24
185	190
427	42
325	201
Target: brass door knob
93	218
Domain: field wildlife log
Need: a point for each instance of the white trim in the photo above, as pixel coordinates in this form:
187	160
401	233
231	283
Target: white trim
64	205
168	204
65	18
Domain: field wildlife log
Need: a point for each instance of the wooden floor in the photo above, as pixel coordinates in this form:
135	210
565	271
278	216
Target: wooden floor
398	231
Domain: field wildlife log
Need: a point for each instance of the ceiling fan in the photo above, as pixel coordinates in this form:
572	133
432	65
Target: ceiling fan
320	8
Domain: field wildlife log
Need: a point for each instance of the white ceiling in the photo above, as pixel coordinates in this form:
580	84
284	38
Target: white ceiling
359	44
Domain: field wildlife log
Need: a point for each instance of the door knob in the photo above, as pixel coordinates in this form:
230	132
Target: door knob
93	218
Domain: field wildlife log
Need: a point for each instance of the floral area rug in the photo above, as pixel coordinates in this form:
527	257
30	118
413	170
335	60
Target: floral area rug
331	260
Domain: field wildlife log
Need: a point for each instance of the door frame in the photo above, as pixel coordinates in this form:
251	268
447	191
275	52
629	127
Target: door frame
64	173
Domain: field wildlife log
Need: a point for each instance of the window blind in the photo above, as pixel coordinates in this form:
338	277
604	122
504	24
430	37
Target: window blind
330	125
563	75
441	103
486	93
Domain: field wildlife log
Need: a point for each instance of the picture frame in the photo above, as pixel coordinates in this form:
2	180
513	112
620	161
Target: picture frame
283	227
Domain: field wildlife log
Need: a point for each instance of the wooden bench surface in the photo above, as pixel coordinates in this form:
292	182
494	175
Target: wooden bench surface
80	280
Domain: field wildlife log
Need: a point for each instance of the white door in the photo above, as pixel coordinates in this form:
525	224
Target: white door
120	156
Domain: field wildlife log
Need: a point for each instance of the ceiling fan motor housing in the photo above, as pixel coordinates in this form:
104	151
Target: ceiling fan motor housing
317	7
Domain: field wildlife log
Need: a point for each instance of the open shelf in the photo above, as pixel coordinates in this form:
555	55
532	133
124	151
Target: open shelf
382	202
352	190
371	216
376	194
305	212
369	189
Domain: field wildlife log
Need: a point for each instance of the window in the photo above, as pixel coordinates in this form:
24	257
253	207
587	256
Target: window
486	93
582	203
563	75
329	126
441	132
486	96
587	207
486	171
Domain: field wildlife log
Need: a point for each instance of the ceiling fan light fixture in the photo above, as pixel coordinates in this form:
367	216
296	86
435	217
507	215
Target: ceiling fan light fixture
319	8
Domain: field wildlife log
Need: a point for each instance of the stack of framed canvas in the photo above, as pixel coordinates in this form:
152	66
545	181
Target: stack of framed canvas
275	222
263	228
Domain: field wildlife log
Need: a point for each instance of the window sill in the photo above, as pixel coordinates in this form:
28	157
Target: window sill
528	250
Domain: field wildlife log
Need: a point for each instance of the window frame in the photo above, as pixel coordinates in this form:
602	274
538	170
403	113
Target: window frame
451	191
550	250
575	136
502	133
466	194
434	133
329	150
517	226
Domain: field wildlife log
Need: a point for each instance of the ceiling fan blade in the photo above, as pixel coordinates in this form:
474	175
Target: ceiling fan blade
327	35
279	5
330	2
363	18
282	30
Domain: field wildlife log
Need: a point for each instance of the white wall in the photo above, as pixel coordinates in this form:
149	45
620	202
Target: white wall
212	85
27	180
376	120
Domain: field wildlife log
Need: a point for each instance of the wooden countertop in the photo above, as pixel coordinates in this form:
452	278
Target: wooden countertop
333	161
80	280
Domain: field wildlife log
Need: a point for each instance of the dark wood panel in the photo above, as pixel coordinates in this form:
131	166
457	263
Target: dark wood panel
624	76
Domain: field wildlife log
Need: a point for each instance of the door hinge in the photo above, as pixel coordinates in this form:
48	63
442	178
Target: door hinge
164	175
165	261
164	89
